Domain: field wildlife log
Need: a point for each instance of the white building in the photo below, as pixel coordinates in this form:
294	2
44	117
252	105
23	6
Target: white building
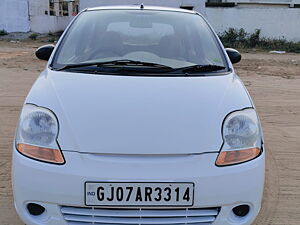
14	15
43	16
197	5
275	18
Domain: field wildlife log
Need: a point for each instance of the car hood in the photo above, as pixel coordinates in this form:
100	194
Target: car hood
109	114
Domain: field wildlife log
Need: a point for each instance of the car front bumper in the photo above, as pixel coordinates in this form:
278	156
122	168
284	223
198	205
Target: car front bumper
54	186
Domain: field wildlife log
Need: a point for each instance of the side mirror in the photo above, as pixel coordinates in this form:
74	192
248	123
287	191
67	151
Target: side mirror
234	55
44	52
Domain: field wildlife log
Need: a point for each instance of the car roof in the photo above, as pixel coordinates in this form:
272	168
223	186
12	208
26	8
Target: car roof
138	7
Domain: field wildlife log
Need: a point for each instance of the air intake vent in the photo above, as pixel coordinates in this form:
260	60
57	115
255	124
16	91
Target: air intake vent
113	216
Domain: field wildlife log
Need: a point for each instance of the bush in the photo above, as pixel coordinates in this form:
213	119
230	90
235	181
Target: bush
235	38
294	47
230	37
241	39
33	36
254	38
3	32
52	39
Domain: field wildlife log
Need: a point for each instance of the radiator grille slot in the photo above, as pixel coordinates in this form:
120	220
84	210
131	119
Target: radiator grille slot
113	216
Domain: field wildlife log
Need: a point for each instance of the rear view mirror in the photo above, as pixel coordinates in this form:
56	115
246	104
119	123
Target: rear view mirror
44	52
233	55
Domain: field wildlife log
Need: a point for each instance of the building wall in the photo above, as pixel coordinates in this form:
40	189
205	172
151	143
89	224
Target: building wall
14	15
274	22
265	1
41	22
198	4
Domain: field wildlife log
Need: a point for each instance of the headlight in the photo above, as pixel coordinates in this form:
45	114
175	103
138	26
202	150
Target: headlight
37	133
242	138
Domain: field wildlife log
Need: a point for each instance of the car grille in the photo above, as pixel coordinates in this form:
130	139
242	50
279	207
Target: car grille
111	216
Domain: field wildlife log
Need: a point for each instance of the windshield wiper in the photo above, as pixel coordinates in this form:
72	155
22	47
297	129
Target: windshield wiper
199	68
123	62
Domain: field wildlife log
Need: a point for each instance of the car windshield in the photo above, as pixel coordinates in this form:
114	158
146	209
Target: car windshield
161	38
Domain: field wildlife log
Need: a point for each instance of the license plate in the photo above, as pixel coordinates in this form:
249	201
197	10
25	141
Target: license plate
139	194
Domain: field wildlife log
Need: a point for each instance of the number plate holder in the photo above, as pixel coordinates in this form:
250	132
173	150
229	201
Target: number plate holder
143	194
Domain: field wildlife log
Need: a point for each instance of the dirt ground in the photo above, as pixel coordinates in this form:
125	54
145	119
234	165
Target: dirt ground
273	81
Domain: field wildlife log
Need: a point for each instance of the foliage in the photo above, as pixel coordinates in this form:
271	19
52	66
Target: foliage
33	36
239	38
3	32
54	37
52	40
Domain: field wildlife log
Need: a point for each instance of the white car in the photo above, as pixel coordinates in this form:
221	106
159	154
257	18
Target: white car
138	118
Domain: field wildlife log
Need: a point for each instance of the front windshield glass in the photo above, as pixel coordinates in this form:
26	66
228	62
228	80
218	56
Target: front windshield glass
172	39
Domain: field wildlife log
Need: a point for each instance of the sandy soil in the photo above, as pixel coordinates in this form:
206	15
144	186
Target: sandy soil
273	82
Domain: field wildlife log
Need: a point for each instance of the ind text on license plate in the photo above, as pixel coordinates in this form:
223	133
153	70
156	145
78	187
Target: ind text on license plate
139	194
